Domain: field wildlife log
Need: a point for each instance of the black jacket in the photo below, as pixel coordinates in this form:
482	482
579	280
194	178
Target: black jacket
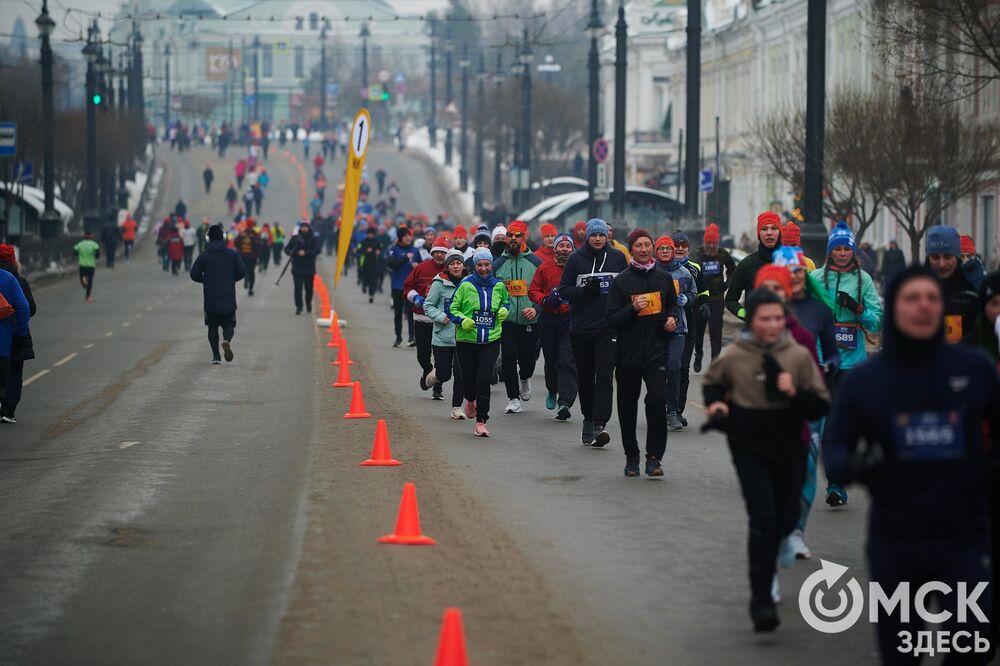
218	268
716	271
892	261
641	339
587	307
961	307
306	264
742	278
25	350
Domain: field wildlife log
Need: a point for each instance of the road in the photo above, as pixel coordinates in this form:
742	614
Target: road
157	509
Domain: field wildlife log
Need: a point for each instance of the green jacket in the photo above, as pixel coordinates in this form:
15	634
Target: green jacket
516	272
439	299
486	303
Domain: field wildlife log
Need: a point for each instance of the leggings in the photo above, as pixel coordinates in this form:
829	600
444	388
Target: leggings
477	363
519	346
630	381
446	361
213	336
8	403
87	278
560	367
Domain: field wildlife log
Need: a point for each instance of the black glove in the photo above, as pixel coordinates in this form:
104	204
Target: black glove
551	301
592	287
705	310
845	301
771	372
716	422
830	369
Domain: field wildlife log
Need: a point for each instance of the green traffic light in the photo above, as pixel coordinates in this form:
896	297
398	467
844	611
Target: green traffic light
96	99
385	97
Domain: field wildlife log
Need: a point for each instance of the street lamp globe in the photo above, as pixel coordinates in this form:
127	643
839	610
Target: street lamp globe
526	55
365	33
90	52
45	24
594	26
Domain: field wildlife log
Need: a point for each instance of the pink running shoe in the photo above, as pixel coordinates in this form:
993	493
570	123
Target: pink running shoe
481	430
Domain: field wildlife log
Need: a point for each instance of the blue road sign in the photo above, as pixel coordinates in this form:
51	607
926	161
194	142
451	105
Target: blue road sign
331	89
24	172
249	100
8	139
706	182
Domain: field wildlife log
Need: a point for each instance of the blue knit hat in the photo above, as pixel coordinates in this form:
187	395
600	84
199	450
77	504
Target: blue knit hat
596	226
840	236
943	240
680	237
482	254
563	236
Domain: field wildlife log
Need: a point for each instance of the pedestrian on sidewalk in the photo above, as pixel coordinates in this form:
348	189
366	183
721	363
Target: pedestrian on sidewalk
519	342
643	311
110	235
553	329
760	391
218	269
22	348
479	308
585	284
246	245
303	249
87	252
446	364
208	176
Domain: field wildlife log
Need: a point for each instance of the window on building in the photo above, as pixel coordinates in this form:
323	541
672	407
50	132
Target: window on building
314	21
299	62
268	55
299	22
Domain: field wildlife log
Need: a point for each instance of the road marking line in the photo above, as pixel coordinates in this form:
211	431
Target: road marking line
109	334
149	309
88	346
125	325
66	359
127	445
35	376
139	316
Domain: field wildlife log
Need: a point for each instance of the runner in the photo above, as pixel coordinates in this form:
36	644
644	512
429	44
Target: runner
303	249
402	259
415	288
922	409
553	329
972	263
498	241
585	283
13	327
717	269
580	234
129	228
759	392
479	308
110	235
368	262
175	249
232	196
218	269
208	176
643	311
545	251
960	306
264	247
741	282
87	252
682	251
436	307
460	241
279	243
684	292
519	341
856	309
189	237
246	245
22	348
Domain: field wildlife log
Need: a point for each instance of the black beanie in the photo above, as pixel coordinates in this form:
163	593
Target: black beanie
215	233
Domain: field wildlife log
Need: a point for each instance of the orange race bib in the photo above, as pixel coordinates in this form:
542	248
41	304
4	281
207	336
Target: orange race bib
654	306
953	328
516	287
677	287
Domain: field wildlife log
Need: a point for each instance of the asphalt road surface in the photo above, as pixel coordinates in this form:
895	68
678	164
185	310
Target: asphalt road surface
157	509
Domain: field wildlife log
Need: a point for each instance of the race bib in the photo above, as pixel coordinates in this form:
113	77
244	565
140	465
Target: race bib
846	336
953	328
485	320
516	287
928	435
655	305
604	281
677	287
711	268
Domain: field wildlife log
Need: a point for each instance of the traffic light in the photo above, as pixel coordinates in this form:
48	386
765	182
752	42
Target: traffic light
96	99
385	95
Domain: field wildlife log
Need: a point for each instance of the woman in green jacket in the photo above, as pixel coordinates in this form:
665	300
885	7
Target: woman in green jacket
278	244
439	298
478	310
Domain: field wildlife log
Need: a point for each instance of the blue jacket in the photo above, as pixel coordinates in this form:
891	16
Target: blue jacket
818	320
399	260
922	407
587	310
684	284
17	323
859	286
218	269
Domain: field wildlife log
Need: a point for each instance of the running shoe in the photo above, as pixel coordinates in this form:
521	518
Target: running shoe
431	378
423	383
601	436
514	406
836	495
802	551
227	351
398	341
470	409
775	589
563	414
674	423
684	421
786	554
7	419
697	364
456	414
631	467
437	393
411	343
550	401
525	389
764	617
653	467
480	429
216	361
588	433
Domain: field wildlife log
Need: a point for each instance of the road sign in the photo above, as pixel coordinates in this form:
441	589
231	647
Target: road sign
375	91
602	194
602	176
360	134
331	89
383	75
8	139
706	181
361	131
249	100
600	150
24	172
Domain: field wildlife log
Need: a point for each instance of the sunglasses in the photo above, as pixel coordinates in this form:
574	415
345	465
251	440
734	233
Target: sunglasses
516	234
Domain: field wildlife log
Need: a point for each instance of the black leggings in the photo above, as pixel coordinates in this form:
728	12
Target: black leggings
714	324
399	306
477	363
87	279
446	361
250	264
423	332
630	381
560	367
228	329
303	283
595	364
519	345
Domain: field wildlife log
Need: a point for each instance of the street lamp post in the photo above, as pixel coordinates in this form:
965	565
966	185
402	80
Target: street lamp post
50	221
525	56
137	103
516	70
621	65
463	172
166	97
365	34
477	200
498	79
431	121
103	68
693	122
256	79
322	77
813	230
449	47
122	170
594	27
91	216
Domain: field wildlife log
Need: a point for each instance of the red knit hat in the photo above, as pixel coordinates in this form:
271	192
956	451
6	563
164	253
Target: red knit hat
968	245
712	233
768	217
636	235
517	226
779	274
664	240
549	229
580	226
460	232
7	254
790	235
441	243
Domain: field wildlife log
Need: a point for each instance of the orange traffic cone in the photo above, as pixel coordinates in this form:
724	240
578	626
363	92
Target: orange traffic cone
344	377
335	339
357	410
342	355
451	642
407	531
381	455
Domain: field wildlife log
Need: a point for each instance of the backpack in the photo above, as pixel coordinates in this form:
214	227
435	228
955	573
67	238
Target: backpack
6	309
